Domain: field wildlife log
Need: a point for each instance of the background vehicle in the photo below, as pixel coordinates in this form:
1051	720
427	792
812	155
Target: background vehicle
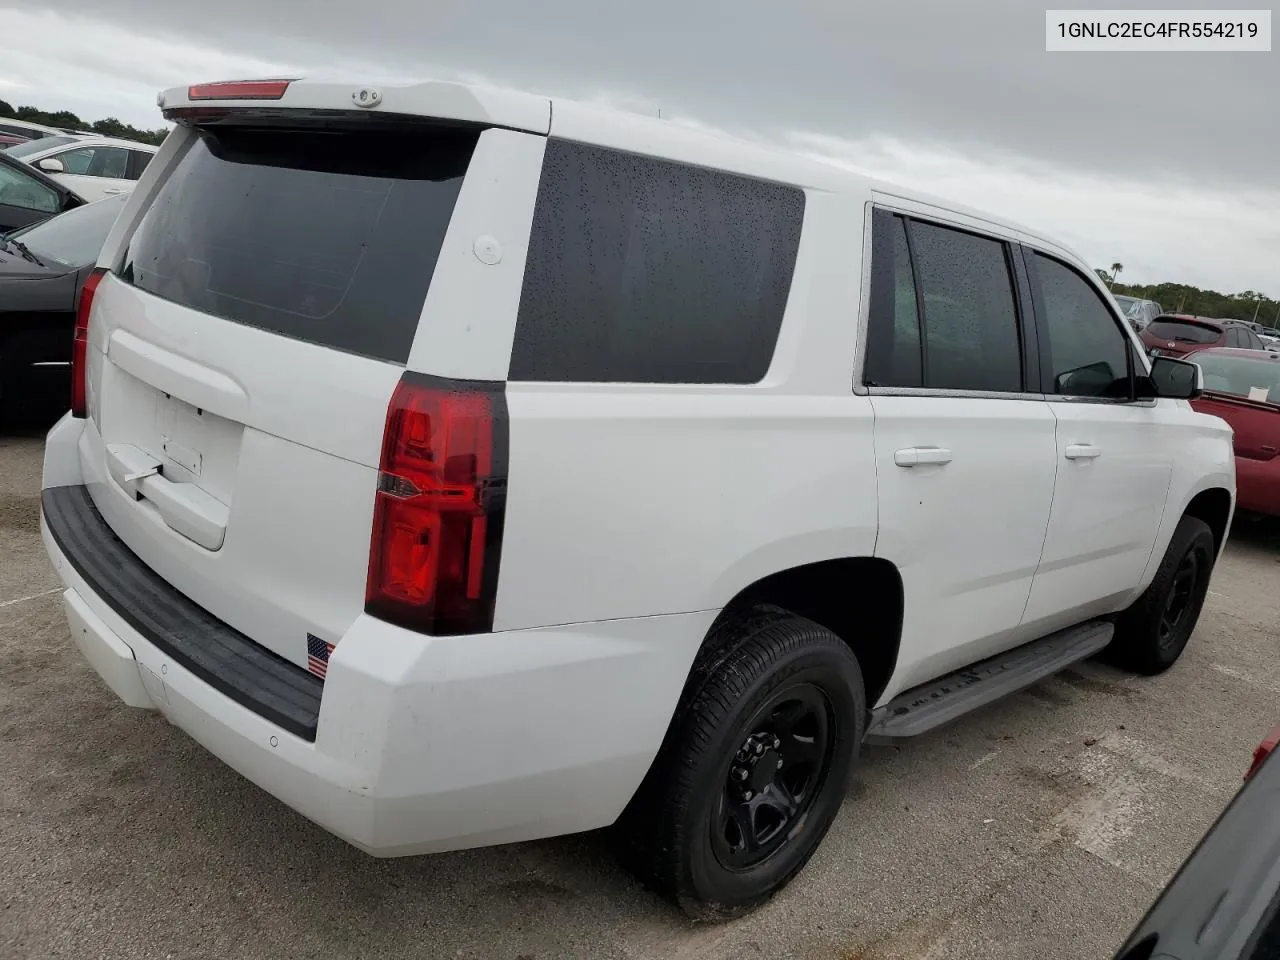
10	140
42	270
95	167
1224	902
1174	335
1243	388
28	196
1138	312
403	436
26	129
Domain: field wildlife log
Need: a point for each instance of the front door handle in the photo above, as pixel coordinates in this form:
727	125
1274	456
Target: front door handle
1082	451
914	456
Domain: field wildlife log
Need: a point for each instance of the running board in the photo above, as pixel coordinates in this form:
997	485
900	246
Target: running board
940	701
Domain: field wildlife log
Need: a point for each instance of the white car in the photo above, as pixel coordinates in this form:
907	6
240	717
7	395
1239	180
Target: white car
463	470
32	131
94	167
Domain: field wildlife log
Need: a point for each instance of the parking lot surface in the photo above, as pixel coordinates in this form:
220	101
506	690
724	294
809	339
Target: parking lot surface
1040	827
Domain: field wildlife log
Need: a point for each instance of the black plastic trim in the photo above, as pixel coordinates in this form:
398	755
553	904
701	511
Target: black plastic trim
221	656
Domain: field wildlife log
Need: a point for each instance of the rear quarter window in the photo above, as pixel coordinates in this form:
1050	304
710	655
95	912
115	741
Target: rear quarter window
325	236
646	271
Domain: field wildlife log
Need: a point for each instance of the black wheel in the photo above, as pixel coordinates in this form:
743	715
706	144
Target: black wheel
1151	634
754	766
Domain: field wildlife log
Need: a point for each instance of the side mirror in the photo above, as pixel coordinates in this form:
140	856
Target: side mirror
1176	379
51	165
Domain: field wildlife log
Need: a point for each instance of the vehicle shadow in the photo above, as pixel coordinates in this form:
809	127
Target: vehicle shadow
1257	531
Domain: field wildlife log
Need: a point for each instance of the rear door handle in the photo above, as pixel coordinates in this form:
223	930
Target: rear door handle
1082	451
914	456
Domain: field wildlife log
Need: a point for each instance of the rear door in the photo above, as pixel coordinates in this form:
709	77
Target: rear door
1114	454
964	451
249	339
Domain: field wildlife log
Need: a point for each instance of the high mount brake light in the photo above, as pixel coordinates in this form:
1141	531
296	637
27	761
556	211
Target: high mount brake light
80	345
239	90
439	507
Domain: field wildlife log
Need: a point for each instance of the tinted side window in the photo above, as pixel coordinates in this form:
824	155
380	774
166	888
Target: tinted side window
646	271
138	160
970	319
1087	353
893	357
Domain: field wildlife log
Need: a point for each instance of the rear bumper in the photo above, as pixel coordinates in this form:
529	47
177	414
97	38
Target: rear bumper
421	744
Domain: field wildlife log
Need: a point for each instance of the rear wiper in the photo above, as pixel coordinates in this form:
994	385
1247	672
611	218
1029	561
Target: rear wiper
21	248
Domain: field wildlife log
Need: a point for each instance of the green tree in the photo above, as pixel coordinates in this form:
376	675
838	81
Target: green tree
1115	271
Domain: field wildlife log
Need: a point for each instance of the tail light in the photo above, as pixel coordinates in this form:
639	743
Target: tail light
439	507
1264	750
80	345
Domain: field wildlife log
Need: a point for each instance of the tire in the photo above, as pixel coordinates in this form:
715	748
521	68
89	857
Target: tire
1151	634
754	766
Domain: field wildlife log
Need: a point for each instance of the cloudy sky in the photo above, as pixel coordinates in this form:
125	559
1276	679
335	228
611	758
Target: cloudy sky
1167	162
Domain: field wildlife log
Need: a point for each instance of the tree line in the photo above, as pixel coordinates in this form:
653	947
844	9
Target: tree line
1184	298
110	127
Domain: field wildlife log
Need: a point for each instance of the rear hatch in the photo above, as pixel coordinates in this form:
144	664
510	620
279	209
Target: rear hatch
1173	337
245	350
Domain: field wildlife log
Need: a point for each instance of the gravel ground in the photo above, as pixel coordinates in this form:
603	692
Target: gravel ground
1040	827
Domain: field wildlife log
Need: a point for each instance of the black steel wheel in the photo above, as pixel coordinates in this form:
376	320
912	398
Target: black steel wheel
773	777
1151	635
754	766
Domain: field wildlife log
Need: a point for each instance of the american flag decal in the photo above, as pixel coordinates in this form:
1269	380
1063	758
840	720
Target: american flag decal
318	655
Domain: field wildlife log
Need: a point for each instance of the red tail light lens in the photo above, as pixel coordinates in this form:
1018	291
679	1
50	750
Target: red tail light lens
80	346
439	508
239	90
1265	748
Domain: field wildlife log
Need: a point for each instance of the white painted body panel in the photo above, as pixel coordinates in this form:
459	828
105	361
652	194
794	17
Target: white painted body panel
634	512
965	535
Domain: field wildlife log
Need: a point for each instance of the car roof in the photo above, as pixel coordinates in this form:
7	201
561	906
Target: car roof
31	125
94	141
613	128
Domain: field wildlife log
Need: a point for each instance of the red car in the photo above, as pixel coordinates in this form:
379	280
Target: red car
1176	334
1243	388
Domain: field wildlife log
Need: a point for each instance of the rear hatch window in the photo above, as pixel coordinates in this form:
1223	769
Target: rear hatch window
320	235
1181	331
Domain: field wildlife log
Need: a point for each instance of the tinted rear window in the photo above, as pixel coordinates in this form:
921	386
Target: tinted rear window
323	236
1186	332
646	271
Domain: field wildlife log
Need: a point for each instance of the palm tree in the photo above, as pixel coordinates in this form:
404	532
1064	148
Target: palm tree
1115	271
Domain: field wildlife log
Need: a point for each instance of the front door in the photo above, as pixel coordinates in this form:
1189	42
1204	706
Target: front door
1114	454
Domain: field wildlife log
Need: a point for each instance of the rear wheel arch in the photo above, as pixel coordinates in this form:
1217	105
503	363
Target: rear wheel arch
860	599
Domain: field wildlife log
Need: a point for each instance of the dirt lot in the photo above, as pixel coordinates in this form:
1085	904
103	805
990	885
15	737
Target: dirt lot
1040	827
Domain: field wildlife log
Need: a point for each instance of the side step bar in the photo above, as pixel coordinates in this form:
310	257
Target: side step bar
940	701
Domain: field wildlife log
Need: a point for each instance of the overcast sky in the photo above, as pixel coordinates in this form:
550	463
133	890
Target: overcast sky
1167	162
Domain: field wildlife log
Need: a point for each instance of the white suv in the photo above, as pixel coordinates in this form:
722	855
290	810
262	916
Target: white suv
465	467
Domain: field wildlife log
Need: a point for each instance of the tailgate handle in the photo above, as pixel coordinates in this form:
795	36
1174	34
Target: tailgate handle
184	507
